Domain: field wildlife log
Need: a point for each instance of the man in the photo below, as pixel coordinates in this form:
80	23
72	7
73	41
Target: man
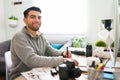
30	49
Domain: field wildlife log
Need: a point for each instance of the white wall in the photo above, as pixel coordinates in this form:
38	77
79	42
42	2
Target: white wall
97	10
2	26
16	10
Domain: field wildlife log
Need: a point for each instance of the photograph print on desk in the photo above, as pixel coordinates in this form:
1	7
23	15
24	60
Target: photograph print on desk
38	74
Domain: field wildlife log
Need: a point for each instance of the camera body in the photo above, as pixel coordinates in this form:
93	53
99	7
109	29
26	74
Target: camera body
68	70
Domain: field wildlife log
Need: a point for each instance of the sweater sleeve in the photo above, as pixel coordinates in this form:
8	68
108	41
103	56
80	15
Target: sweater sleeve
52	51
26	54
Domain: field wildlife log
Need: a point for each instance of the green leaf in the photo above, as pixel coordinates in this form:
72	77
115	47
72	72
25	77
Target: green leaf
100	43
112	45
13	18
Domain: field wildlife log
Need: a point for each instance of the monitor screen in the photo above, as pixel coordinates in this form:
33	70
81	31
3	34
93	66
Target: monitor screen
117	30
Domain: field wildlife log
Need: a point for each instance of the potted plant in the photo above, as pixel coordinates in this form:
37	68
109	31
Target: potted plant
100	43
13	21
112	44
103	21
101	49
78	42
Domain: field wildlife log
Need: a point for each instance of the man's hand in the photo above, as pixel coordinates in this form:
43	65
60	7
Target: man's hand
67	54
75	61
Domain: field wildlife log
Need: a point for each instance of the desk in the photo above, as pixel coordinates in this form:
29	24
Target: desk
82	61
44	74
83	77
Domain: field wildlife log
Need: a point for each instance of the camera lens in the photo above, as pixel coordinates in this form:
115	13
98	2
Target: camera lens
63	72
70	64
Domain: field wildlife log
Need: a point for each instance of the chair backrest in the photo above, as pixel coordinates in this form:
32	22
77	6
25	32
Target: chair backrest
8	62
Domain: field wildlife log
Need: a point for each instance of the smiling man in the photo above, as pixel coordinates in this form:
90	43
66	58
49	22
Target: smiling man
30	49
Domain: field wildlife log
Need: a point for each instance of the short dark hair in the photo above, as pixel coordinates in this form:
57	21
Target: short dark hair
31	8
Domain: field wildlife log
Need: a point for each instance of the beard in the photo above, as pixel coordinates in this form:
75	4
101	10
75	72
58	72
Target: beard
34	27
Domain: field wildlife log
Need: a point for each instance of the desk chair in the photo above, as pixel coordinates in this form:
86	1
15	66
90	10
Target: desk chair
8	62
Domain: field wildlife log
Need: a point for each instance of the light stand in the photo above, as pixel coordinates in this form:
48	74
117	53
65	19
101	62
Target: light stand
107	34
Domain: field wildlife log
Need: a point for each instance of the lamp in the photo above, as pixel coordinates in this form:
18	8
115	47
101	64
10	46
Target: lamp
107	34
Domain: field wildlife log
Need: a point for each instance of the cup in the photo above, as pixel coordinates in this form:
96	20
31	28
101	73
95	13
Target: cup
88	50
94	74
91	60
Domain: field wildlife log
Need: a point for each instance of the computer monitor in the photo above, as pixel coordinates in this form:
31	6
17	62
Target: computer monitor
117	31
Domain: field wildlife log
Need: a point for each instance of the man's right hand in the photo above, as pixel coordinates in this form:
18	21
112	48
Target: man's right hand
70	59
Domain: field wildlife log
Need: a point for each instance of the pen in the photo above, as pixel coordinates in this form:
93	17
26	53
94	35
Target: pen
98	71
100	67
67	51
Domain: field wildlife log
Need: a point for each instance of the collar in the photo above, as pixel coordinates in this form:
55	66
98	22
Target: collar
28	33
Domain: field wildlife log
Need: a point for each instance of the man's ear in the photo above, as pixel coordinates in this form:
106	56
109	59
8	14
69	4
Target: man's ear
24	20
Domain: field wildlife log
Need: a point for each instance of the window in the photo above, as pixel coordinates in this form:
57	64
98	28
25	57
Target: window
63	16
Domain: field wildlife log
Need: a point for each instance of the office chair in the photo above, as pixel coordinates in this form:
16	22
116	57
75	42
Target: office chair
8	62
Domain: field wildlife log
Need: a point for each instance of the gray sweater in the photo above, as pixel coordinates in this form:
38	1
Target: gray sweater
30	52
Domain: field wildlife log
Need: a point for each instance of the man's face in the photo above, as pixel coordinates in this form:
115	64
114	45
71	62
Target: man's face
33	20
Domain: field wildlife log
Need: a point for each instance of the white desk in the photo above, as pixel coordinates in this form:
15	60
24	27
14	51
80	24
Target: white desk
37	74
47	75
82	63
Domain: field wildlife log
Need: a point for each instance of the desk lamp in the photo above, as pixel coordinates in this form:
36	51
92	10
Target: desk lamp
107	34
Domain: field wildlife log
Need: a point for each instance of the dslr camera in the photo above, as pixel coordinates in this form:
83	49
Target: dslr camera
68	70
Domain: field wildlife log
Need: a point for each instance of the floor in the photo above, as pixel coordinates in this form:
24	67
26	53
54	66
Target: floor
2	76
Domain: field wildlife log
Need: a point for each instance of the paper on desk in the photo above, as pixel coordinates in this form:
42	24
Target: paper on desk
38	74
30	75
81	60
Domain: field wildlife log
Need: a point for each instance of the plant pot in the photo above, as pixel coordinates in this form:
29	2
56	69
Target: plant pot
13	23
99	52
